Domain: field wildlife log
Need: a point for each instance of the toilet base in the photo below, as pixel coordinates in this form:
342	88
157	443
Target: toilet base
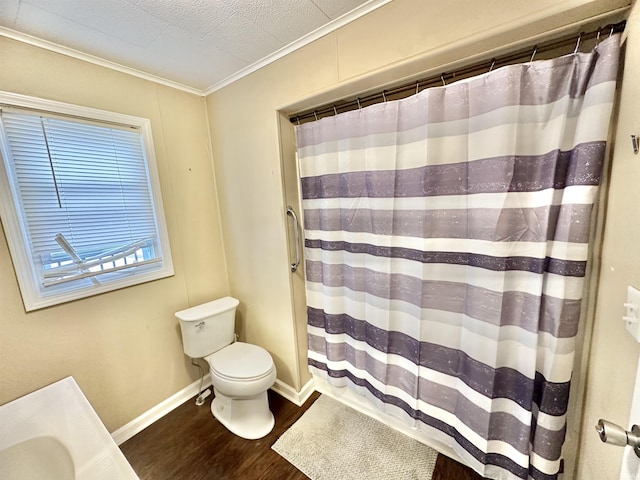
247	417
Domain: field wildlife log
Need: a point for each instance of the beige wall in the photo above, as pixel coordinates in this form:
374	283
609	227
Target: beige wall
404	39
614	353
123	347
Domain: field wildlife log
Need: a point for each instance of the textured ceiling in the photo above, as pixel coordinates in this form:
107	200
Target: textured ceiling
200	44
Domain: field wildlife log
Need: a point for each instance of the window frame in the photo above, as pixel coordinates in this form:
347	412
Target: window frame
16	232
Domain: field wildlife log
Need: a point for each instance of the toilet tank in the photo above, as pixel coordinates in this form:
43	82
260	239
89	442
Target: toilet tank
208	327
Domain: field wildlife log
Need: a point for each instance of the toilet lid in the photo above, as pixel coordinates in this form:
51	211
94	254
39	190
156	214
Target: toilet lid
242	361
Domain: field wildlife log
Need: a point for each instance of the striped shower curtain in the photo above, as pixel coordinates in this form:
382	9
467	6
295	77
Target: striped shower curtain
446	239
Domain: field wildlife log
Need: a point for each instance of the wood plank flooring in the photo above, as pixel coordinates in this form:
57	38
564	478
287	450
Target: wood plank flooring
189	444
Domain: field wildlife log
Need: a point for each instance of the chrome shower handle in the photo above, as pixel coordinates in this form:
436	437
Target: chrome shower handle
294	266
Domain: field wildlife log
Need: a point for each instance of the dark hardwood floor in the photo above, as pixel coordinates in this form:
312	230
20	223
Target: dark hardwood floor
189	444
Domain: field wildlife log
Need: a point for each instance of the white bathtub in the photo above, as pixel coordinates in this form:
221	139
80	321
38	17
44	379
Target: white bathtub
54	433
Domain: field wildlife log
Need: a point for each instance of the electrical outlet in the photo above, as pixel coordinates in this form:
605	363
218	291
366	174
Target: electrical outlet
632	315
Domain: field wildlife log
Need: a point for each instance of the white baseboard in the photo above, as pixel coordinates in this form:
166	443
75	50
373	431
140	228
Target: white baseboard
291	394
136	425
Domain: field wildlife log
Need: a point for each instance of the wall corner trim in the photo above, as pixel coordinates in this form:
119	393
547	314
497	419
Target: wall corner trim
291	394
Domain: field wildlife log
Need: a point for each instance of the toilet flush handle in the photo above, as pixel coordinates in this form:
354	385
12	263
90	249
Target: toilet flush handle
200	324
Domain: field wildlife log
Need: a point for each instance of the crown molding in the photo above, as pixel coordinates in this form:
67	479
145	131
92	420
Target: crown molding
70	52
316	34
339	22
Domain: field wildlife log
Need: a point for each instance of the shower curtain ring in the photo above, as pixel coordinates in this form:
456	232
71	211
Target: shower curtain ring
578	42
315	115
384	96
597	38
335	111
493	63
611	31
444	84
535	50
359	106
298	119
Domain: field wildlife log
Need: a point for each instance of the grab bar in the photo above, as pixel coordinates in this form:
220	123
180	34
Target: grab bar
294	266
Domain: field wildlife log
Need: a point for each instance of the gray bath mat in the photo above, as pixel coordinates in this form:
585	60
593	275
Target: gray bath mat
334	442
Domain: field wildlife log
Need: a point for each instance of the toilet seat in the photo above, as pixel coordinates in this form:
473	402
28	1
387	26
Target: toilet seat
241	362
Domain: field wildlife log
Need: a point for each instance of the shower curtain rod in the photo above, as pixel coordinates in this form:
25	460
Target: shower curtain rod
407	89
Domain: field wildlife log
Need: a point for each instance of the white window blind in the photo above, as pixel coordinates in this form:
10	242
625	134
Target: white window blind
84	199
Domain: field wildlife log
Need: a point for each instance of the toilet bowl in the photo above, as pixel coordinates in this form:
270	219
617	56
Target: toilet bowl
241	373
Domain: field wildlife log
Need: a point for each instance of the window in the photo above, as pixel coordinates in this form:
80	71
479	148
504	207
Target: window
80	200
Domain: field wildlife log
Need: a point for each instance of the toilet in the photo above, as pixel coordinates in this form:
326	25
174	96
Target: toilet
241	373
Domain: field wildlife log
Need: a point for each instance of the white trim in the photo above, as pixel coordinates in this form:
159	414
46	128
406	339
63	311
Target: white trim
291	394
87	57
61	108
364	9
136	425
339	22
16	229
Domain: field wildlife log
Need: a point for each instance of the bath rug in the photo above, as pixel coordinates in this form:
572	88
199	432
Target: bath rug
334	442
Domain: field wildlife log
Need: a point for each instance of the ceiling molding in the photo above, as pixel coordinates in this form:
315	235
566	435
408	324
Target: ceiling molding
301	42
70	52
86	57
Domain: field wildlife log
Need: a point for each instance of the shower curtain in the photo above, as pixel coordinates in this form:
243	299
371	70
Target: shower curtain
446	239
